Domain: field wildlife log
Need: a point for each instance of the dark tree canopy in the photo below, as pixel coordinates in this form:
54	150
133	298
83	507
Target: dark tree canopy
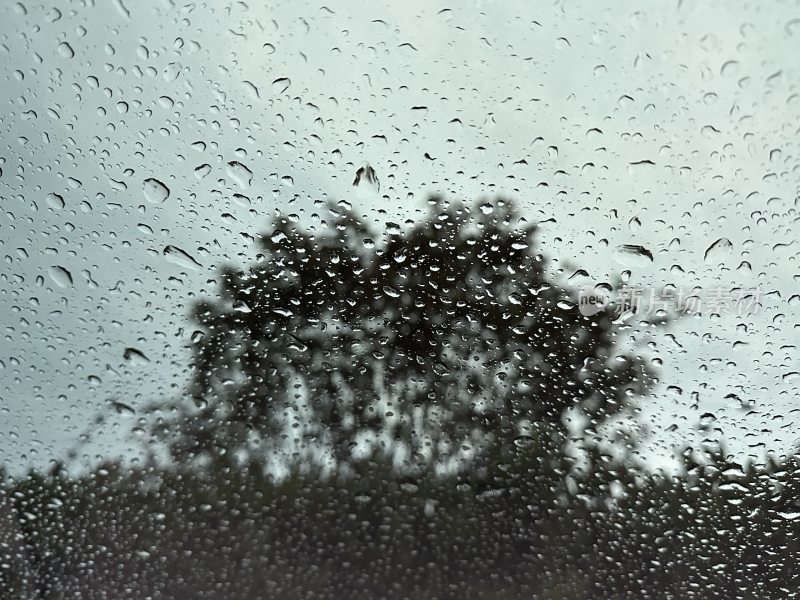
423	345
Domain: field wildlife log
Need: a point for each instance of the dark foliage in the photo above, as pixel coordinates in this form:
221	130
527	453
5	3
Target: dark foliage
716	531
427	345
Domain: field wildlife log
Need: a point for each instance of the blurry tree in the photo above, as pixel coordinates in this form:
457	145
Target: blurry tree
427	346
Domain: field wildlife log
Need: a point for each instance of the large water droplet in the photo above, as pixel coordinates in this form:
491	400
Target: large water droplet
172	71
366	182
155	191
126	410
122	9
790	515
60	276
202	171
632	255
281	84
55	200
181	258
719	250
65	50
135	357
240	174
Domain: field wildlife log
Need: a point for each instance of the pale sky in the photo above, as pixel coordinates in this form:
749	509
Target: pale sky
551	104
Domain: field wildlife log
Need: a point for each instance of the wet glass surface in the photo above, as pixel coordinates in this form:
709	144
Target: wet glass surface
488	300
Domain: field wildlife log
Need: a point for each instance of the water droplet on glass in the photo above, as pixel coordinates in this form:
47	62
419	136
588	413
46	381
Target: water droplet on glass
202	171
718	250
155	191
55	200
60	276
281	84
240	174
709	132
65	50
789	515
632	255
181	258
135	357
172	71
366	182
123	409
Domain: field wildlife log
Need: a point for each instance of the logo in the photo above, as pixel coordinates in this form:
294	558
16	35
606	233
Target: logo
592	301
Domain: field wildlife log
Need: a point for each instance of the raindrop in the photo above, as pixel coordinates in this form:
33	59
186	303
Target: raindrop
729	68
123	409
60	276
640	165
53	15
122	9
251	87
181	258
155	191
281	84
240	174
135	357
172	71
789	515
55	200
718	250
241	200
633	255
65	50
202	171
366	181
524	441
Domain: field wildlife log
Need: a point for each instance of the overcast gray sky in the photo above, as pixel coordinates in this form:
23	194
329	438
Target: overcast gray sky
669	125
